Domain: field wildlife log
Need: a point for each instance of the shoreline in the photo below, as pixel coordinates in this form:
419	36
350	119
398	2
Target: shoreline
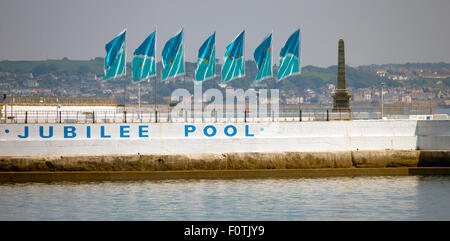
225	165
77	176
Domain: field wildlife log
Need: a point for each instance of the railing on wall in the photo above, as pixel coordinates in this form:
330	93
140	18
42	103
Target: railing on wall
148	115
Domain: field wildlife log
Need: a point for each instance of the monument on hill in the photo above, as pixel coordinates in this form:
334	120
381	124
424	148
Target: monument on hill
341	98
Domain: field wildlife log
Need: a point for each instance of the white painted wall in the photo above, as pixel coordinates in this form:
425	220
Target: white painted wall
165	138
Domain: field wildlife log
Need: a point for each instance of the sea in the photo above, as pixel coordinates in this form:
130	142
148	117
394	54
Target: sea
443	110
405	198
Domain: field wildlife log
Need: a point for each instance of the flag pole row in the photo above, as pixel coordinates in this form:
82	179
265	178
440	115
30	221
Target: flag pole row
173	64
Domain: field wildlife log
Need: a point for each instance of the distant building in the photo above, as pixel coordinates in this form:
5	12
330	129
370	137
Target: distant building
33	100
292	100
382	73
31	83
406	99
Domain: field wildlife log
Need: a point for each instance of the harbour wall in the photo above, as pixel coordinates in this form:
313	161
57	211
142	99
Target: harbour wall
229	161
266	145
217	138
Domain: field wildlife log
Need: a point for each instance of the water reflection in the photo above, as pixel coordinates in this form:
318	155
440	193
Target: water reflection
339	198
432	198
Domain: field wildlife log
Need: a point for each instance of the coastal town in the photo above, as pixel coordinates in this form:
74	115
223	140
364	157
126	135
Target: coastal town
405	83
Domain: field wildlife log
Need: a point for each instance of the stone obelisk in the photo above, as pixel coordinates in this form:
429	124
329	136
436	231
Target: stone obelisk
341	98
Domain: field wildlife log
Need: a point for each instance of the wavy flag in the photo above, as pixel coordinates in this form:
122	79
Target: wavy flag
144	61
289	57
233	65
115	65
263	58
172	57
206	64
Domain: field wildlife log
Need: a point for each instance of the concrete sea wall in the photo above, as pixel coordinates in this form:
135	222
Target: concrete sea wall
229	161
223	146
217	138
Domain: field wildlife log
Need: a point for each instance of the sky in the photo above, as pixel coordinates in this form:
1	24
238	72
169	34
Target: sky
375	32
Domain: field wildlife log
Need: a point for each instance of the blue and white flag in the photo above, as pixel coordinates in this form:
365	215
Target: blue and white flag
289	57
233	64
263	59
206	64
115	65
172	57
144	61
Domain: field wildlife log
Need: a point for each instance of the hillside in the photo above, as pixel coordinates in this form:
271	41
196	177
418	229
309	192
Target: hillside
311	76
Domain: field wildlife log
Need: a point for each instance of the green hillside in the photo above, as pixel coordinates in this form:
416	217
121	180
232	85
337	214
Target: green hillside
62	66
311	76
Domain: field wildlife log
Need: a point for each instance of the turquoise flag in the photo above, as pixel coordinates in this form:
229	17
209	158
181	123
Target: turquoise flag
115	57
263	59
172	57
144	61
289	57
206	64
233	64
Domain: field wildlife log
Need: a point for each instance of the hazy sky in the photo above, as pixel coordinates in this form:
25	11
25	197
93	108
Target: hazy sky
375	31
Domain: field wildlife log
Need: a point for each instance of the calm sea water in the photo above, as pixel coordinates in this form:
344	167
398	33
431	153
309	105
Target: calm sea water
443	110
340	198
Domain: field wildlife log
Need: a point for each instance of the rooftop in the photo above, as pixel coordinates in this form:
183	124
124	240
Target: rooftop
57	100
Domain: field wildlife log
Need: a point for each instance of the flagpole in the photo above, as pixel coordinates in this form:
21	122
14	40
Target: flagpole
243	53
184	58
184	68
139	100
271	57
156	62
125	64
300	48
156	91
